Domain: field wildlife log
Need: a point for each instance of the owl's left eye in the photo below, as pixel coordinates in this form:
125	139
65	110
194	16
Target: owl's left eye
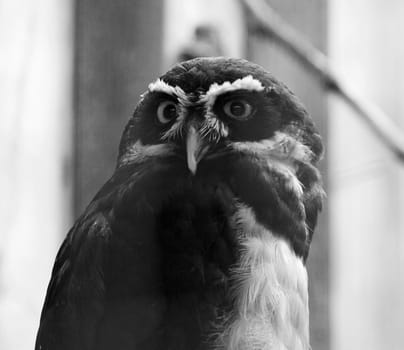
166	112
238	109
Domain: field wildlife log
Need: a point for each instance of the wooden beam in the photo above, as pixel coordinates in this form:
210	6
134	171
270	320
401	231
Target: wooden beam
118	52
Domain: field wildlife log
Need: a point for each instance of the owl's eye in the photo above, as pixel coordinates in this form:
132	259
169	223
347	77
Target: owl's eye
166	112
238	109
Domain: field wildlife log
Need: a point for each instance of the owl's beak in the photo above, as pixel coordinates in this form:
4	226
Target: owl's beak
196	149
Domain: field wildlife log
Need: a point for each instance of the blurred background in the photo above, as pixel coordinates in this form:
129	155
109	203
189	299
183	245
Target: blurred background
71	73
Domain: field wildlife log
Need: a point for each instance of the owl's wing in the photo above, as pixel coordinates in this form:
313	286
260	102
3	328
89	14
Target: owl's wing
313	197
75	298
108	256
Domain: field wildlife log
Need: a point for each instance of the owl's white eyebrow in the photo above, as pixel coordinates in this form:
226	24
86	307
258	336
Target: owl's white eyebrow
161	86
247	83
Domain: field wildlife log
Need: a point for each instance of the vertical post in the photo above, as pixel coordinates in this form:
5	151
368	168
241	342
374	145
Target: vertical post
118	52
310	18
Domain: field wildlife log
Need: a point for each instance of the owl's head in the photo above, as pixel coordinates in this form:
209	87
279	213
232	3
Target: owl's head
206	105
229	121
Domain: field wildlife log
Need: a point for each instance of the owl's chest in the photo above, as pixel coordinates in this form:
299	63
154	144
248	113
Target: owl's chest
198	242
245	280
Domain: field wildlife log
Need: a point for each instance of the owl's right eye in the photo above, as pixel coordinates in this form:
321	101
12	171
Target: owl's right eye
167	111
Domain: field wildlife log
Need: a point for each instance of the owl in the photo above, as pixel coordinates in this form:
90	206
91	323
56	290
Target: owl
199	239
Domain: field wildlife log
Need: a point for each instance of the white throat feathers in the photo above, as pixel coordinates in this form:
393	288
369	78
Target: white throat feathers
270	292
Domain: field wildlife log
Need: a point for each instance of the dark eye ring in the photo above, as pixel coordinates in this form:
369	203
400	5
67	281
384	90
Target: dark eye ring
238	109
166	112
